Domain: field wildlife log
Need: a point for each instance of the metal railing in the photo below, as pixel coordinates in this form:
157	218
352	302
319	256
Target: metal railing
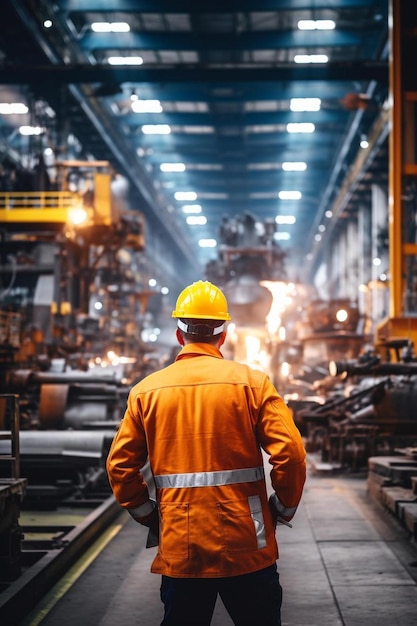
17	200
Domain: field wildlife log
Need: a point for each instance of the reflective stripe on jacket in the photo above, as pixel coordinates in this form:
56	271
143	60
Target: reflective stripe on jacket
203	421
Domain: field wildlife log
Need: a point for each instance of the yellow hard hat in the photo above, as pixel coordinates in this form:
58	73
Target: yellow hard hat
202	300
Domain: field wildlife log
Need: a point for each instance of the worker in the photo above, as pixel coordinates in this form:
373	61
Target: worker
203	422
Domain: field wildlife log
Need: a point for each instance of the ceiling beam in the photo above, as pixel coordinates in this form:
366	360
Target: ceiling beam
202	41
239	119
86	73
214	6
213	93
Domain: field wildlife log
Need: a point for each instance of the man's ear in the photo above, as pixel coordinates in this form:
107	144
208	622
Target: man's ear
222	338
179	337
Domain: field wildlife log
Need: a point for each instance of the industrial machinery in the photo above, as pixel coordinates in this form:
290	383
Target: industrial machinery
278	325
63	258
72	304
72	299
365	404
370	408
249	259
71	294
71	310
369	411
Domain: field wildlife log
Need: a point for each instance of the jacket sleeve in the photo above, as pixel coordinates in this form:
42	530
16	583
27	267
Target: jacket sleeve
127	456
281	440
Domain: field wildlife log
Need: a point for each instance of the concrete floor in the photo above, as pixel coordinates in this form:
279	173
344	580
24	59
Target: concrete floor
344	563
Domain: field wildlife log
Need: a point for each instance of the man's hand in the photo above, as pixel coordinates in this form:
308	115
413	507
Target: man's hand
276	517
148	520
151	521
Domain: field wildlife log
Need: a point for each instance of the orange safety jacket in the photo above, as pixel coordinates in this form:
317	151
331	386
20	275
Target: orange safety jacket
202	421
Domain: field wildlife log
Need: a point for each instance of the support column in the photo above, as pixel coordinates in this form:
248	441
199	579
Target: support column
402	320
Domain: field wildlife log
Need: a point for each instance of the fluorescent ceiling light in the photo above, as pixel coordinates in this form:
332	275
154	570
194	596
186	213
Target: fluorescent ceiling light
156	129
31	130
207	243
208	195
196	220
196	130
256	129
263	166
185	195
125	60
285	219
172	167
110	27
294	166
9	108
305	104
290	195
316	25
301	127
311	58
205	167
191	208
282	236
325	25
146	106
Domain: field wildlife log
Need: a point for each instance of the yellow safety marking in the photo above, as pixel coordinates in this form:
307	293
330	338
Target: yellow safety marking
70	577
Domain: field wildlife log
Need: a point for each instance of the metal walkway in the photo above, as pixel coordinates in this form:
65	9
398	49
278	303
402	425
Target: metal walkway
345	562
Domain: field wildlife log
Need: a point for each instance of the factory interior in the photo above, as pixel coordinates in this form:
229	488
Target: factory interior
266	146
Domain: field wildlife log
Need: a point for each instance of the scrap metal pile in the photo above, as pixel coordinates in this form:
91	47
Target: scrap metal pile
369	410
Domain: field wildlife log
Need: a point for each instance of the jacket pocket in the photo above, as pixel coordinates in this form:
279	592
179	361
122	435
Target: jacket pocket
242	524
174	531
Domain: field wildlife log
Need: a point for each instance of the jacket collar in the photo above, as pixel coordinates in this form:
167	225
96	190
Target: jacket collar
199	349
